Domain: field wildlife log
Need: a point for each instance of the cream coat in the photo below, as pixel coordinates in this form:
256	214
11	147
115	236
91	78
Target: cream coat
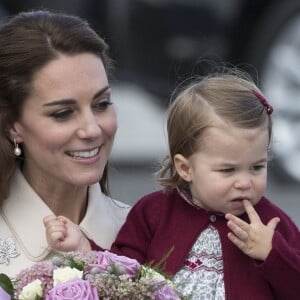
21	218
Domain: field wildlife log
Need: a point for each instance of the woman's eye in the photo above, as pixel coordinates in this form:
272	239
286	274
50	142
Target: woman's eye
102	105
62	114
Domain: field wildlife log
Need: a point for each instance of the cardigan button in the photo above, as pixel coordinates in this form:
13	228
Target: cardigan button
213	218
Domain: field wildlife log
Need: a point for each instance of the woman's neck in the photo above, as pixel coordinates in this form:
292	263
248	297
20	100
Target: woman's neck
62	199
71	204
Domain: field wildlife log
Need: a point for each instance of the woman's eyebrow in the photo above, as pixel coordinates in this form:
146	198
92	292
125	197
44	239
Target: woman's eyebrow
60	102
102	91
73	101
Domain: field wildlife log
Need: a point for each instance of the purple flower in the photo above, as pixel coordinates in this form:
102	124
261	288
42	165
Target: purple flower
76	290
106	259
166	292
3	294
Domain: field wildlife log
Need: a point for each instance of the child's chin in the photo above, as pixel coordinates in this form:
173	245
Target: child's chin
237	208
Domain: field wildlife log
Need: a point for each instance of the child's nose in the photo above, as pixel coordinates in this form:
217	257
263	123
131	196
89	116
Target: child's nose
243	181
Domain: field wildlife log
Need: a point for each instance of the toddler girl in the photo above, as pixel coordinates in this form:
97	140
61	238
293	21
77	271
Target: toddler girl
225	236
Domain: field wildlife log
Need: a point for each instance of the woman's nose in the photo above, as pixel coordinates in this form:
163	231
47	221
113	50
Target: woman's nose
89	127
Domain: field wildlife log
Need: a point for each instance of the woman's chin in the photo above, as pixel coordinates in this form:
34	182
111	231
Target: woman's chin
86	179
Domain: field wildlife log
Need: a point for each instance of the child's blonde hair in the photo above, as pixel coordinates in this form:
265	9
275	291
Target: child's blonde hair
231	97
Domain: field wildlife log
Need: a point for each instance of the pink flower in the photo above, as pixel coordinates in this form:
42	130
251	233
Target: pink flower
76	290
42	271
106	259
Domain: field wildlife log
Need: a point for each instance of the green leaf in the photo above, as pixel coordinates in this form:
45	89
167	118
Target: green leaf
71	262
6	284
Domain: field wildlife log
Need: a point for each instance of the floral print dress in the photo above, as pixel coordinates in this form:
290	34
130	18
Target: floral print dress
201	276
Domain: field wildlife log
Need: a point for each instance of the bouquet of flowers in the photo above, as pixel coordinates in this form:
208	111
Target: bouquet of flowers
88	276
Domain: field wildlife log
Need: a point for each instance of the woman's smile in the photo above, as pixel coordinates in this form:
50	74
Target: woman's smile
84	153
86	157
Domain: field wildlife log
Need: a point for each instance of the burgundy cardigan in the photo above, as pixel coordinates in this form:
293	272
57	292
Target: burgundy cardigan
160	221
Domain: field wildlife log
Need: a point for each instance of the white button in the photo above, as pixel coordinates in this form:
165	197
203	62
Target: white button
213	218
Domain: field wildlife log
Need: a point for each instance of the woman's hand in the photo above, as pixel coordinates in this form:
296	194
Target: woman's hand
254	239
63	235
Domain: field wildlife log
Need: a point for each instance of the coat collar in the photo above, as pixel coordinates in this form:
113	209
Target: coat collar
103	218
23	212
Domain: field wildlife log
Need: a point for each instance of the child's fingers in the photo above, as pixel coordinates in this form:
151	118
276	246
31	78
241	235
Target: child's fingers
55	225
251	212
63	219
237	221
55	228
56	236
55	240
237	242
48	219
272	224
238	231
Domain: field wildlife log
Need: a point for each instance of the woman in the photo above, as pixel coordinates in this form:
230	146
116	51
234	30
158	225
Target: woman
57	127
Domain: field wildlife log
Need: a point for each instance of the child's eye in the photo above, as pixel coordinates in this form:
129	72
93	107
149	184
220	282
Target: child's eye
258	167
62	114
227	170
102	105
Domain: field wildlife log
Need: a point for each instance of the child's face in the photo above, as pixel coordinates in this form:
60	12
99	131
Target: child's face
230	166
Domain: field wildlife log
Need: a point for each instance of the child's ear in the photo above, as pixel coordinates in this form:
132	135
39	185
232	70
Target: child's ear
183	168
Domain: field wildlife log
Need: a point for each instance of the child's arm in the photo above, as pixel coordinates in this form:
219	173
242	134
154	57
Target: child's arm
254	239
63	235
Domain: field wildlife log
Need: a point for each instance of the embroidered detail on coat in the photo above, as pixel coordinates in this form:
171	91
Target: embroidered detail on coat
7	250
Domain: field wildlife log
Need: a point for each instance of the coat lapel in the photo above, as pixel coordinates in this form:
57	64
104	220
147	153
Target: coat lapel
23	211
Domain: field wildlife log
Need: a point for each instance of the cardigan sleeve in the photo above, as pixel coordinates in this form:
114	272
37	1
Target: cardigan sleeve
282	267
135	235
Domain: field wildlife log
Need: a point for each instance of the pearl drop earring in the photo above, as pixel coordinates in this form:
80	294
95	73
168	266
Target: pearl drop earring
17	150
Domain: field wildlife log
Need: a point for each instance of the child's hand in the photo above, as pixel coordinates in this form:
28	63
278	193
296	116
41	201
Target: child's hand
254	239
63	235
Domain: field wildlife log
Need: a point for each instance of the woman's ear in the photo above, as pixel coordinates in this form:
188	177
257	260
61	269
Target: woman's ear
15	133
183	168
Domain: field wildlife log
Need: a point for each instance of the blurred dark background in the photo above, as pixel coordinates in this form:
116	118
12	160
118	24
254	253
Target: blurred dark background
157	44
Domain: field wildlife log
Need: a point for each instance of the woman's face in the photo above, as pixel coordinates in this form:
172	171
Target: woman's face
68	124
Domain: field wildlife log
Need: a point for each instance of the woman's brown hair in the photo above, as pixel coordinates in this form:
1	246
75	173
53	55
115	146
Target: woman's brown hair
29	41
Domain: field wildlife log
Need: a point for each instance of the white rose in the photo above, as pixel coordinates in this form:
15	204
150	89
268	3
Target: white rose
31	290
65	274
152	274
